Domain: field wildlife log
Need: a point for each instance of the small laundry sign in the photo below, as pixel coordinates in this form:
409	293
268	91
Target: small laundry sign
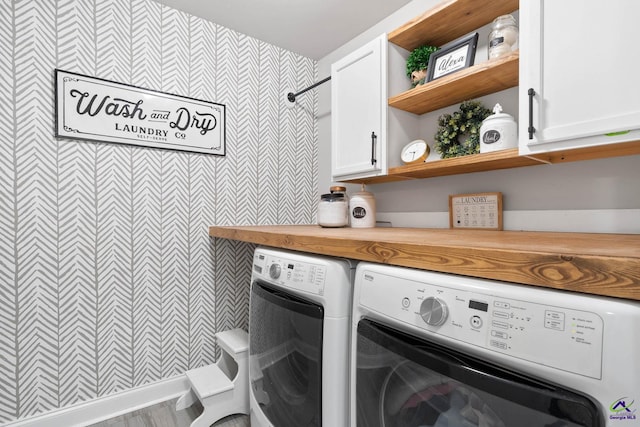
102	110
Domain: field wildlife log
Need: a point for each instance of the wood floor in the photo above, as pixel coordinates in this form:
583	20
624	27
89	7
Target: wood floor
165	415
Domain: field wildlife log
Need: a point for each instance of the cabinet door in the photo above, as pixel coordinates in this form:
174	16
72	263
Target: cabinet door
359	112
580	57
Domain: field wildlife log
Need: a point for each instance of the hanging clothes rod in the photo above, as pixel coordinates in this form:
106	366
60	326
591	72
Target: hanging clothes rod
292	96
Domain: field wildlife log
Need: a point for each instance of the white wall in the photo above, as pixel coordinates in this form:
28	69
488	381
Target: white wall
592	196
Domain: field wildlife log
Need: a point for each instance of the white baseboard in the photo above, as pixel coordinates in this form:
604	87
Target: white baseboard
103	408
625	221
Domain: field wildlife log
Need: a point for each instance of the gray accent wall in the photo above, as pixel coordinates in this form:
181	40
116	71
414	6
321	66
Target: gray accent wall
108	278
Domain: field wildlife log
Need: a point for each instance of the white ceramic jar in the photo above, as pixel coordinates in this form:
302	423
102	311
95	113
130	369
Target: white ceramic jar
362	209
333	208
499	131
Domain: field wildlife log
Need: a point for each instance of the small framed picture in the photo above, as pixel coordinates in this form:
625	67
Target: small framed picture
479	211
452	57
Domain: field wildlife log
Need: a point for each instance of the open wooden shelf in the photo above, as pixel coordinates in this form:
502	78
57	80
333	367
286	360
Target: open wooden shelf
449	20
504	159
479	80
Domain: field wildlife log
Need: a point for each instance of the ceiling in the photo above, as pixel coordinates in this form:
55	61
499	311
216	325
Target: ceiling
312	28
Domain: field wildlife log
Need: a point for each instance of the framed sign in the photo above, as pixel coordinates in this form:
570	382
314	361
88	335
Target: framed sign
101	110
452	57
476	211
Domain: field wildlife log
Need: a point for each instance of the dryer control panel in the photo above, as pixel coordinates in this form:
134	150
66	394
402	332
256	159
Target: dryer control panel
303	276
531	325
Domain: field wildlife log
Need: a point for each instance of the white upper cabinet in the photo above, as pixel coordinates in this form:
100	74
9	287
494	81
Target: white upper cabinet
579	65
359	113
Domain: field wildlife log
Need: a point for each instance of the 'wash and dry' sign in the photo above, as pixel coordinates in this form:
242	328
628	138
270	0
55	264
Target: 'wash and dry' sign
102	110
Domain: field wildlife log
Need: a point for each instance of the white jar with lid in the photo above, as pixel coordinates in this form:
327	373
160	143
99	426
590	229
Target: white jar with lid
503	37
362	209
499	131
333	208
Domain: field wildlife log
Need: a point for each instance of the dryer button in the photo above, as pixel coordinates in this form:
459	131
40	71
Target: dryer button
476	322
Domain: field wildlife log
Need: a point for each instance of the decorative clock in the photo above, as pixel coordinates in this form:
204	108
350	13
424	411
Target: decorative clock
415	152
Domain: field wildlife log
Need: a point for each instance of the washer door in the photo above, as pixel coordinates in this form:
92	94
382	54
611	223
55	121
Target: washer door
402	381
285	356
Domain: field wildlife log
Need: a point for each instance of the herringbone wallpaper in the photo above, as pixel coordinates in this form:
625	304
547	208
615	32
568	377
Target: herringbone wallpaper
108	279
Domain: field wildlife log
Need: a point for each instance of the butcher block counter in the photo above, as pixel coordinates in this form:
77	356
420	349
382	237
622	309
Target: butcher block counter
601	264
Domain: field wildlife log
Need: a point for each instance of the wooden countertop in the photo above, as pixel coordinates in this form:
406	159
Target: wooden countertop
601	264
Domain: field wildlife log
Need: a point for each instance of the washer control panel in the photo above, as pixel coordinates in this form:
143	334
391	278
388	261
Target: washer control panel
294	274
494	317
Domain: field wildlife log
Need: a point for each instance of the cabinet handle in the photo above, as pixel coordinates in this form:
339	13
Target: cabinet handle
531	129
373	148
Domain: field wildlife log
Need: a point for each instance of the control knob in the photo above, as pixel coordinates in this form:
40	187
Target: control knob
274	271
433	311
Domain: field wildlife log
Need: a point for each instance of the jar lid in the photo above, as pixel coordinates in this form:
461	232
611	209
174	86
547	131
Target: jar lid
502	116
363	194
332	197
505	20
498	114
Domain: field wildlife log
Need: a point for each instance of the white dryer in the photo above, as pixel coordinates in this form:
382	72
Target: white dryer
432	349
299	325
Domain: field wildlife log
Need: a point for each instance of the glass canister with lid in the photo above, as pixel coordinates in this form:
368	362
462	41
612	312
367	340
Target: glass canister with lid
503	37
333	208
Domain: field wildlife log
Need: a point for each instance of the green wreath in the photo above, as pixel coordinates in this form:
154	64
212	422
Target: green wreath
459	134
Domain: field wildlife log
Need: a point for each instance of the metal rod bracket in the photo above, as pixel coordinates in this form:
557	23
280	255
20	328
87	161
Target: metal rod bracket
291	97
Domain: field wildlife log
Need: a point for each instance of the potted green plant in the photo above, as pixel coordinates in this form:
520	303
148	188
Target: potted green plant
417	63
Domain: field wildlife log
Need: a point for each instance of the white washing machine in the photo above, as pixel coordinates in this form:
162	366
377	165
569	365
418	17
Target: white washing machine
432	349
299	326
